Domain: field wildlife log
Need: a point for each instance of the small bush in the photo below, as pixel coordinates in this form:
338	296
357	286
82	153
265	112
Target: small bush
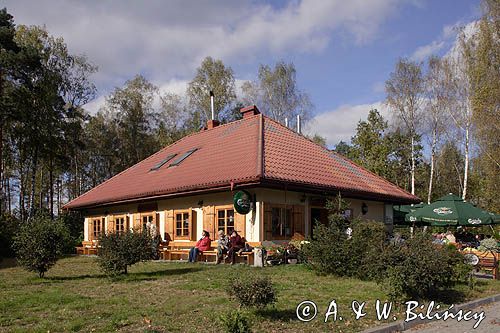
489	244
331	251
253	292
424	269
39	243
235	322
117	251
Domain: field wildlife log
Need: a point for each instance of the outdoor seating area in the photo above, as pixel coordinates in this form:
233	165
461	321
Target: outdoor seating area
460	218
179	251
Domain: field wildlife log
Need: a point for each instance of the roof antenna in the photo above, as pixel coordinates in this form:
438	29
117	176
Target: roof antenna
212	104
286	121
298	123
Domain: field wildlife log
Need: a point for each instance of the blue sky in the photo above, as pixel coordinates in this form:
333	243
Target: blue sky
343	50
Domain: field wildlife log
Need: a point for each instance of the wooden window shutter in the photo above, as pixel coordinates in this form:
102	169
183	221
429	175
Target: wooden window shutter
240	223
127	223
157	222
169	225
298	219
137	222
268	227
209	219
91	229
193	224
111	224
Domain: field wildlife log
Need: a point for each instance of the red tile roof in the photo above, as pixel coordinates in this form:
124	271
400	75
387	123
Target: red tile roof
251	151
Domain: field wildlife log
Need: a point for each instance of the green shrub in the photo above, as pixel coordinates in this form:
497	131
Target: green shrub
489	244
9	226
253	291
74	222
331	251
235	322
423	269
117	251
325	252
39	243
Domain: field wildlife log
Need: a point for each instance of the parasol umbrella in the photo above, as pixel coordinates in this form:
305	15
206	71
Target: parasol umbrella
400	212
451	210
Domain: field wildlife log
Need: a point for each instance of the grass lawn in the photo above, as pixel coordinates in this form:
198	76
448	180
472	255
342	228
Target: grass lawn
179	297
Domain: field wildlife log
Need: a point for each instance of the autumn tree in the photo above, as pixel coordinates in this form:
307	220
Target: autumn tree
277	94
131	107
405	92
212	75
481	68
172	118
439	102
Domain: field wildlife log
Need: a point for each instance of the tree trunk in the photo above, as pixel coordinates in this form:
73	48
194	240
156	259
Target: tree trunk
466	162
33	184
9	198
51	188
412	164
431	176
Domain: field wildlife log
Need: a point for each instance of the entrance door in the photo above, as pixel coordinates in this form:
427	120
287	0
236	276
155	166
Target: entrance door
318	215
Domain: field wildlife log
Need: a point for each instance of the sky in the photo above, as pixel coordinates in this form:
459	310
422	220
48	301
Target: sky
343	51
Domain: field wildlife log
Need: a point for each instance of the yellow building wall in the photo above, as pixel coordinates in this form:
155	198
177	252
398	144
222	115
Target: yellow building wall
202	205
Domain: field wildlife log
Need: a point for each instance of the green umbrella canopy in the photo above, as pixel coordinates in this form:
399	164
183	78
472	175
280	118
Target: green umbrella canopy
401	211
451	210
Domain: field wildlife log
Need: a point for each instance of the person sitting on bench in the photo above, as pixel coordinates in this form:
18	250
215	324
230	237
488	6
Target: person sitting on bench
202	245
237	244
222	246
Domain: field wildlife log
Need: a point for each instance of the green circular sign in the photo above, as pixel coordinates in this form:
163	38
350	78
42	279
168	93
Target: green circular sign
242	201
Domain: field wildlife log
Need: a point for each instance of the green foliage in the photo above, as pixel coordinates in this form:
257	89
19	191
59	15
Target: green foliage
212	75
413	268
9	226
277	94
253	291
73	220
331	251
117	251
235	322
489	244
39	243
424	269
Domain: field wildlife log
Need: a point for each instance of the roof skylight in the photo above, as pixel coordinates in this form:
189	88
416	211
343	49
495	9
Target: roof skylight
163	162
182	157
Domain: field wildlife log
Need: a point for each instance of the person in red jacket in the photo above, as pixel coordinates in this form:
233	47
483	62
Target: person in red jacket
202	245
236	244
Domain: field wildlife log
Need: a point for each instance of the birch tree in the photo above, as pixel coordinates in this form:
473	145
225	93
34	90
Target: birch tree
405	93
277	94
438	102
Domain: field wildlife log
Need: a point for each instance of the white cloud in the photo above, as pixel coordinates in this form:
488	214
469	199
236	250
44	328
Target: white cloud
167	39
93	106
423	52
340	123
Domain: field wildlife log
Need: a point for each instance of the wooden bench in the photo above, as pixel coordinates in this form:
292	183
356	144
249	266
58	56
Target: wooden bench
87	248
489	264
488	261
182	249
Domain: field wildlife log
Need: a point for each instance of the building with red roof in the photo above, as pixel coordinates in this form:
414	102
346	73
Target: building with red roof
189	185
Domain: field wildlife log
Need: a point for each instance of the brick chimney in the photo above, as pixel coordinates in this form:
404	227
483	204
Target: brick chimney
212	123
249	111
